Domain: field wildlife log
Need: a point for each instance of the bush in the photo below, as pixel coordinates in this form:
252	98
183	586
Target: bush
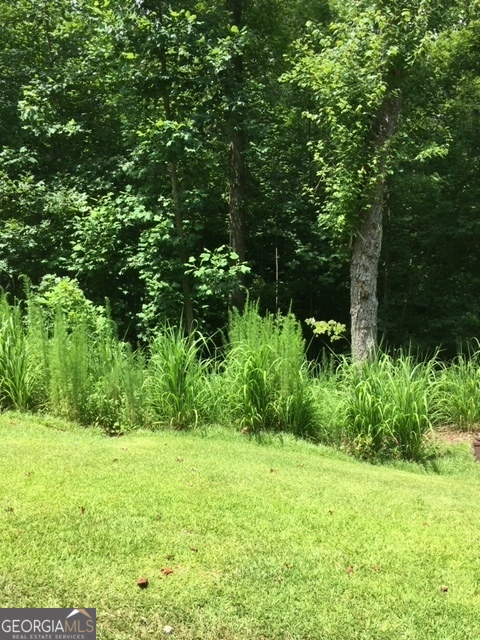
390	406
460	388
63	296
266	377
175	379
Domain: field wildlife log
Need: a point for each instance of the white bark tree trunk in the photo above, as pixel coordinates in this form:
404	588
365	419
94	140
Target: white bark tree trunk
363	282
367	244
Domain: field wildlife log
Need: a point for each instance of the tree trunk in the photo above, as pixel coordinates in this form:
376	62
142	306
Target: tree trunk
236	214
178	217
236	168
182	253
363	279
367	244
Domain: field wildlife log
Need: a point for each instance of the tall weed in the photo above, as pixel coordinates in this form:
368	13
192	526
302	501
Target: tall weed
15	378
70	373
329	399
117	401
390	405
175	378
266	376
460	387
37	349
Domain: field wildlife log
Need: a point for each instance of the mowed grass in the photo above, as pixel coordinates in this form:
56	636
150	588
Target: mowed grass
283	540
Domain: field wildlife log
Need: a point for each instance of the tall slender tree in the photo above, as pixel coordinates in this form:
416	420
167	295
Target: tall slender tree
236	164
360	70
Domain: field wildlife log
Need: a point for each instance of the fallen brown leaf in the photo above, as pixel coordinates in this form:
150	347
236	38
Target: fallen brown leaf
350	570
443	589
142	583
166	571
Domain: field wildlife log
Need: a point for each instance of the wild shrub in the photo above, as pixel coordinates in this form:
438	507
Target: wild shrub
71	381
266	376
55	295
175	378
389	407
460	391
118	400
82	371
37	350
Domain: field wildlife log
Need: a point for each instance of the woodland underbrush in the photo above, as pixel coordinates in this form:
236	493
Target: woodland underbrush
70	363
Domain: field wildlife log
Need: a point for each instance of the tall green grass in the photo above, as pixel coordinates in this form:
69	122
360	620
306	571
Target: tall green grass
118	400
95	378
71	381
16	383
391	404
176	378
460	392
37	347
260	381
267	382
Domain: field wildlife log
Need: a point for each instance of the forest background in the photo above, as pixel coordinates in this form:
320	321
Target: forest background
172	156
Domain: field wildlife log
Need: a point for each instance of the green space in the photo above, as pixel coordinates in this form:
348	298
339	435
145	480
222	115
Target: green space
320	155
240	316
284	540
259	380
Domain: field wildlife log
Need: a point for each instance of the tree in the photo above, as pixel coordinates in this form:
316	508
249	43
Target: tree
429	270
236	126
53	146
360	70
139	138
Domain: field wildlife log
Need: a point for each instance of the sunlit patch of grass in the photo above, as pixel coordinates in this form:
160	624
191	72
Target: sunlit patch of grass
285	540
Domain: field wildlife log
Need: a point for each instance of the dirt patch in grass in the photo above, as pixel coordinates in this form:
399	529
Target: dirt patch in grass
451	435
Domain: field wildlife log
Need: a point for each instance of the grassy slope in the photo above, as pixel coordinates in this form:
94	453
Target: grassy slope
278	541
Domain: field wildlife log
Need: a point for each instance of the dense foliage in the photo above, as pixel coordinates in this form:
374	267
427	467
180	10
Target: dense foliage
60	354
169	155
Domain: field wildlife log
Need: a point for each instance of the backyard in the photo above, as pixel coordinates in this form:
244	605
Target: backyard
237	538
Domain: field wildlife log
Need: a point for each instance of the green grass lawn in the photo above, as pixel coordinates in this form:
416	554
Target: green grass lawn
283	540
